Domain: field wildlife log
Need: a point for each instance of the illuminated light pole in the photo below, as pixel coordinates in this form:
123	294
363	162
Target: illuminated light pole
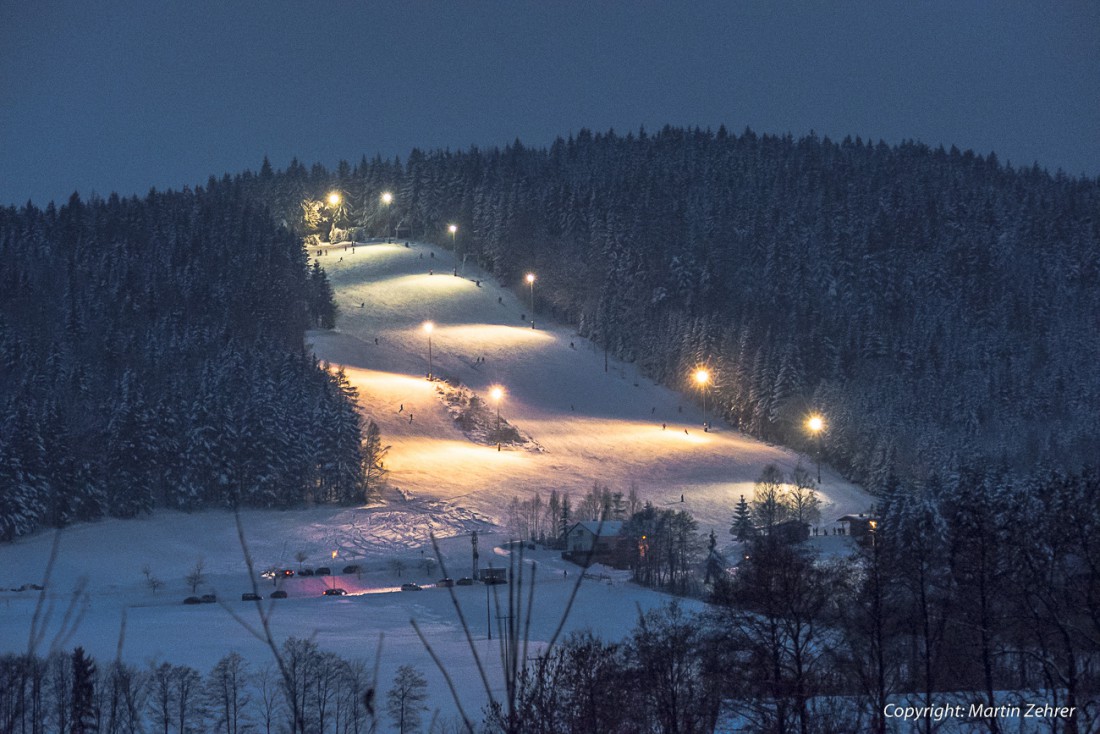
333	575
333	200
384	202
453	229
531	285
816	424
428	328
497	394
702	377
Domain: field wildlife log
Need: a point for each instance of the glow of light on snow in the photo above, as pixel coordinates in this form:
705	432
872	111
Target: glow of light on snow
493	336
461	458
389	382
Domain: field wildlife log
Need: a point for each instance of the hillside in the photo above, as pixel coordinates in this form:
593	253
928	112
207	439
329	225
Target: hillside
934	304
591	425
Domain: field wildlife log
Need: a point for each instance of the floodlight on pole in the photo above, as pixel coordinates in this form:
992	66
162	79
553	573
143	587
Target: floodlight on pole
387	198
702	378
816	425
531	285
453	229
334	199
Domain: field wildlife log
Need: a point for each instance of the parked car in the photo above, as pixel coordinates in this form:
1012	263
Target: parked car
278	594
465	581
335	592
353	568
192	600
208	599
323	571
445	583
286	573
410	587
306	572
249	596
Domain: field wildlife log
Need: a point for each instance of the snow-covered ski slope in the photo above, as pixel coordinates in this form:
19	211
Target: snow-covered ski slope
592	425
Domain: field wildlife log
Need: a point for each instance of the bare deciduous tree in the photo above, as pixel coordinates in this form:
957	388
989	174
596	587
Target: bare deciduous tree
196	576
405	701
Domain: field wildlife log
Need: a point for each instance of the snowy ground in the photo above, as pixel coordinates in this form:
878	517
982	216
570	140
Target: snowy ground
590	425
110	556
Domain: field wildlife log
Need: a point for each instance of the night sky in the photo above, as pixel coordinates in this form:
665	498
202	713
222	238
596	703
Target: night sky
127	95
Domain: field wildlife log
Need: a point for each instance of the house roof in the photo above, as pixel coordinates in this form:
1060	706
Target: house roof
605	529
855	518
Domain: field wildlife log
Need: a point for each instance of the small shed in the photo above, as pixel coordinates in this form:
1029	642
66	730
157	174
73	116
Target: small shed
595	542
859	526
494	575
790	531
594	536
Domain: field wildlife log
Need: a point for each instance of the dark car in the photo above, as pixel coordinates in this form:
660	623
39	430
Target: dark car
306	572
353	568
410	587
192	600
278	594
323	571
208	599
465	581
445	583
335	592
286	573
249	596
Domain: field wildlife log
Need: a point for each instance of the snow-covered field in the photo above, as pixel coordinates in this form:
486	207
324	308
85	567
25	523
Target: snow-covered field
159	628
590	425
